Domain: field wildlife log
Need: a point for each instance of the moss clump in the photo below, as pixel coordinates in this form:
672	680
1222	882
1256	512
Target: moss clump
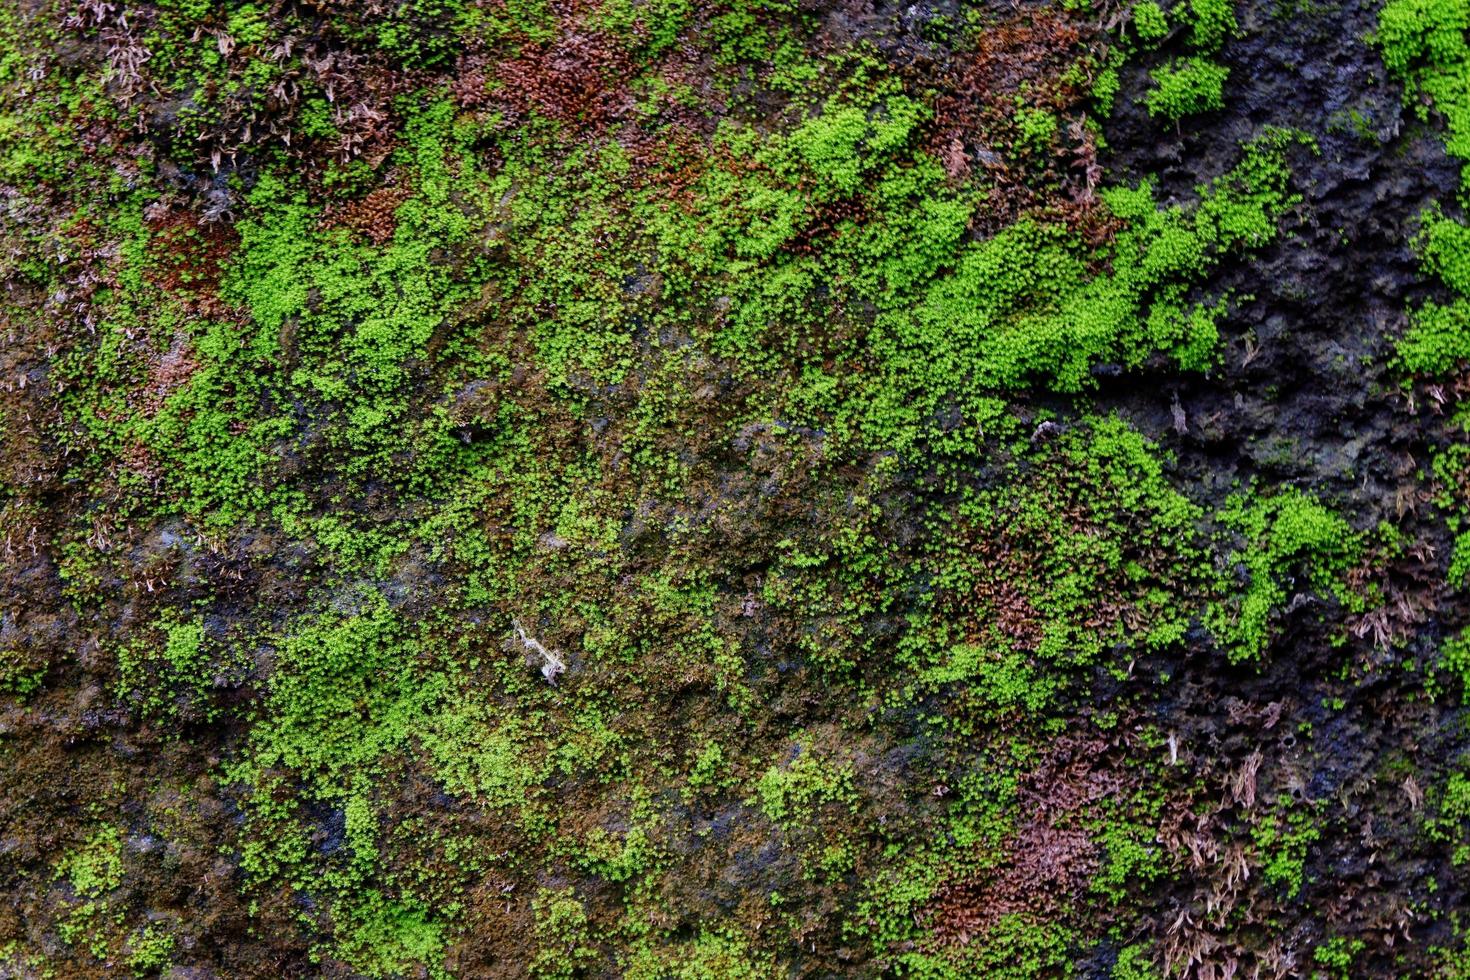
1211	23
562	936
1187	87
790	789
1150	22
1447	820
1424	45
1134	963
1282	840
1337	954
95	868
1438	338
1289	533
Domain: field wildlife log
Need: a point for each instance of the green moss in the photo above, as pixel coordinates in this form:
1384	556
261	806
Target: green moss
711	955
1134	963
150	951
1038	127
95	868
653	25
1438	338
382	938
1186	87
344	692
1105	89
19	675
801	781
1454	964
1017	948
1446	820
1282	839
1455	658
1211	22
1149	22
793	421
562	936
422	33
176	673
480	753
1337	954
709	768
1287	533
1003	680
1134	859
621	857
1424	45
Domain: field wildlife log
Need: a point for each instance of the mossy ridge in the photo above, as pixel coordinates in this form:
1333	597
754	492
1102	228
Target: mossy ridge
1424	45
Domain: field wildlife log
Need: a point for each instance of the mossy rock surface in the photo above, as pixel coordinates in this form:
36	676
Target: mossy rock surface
768	488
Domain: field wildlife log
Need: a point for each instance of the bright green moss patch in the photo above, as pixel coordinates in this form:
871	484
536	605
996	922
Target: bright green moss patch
150	951
790	789
1134	859
1194	83
1150	21
1424	45
711	954
1211	23
1282	839
94	868
1187	87
1024	308
385	939
344	692
1134	963
1455	658
478	754
562	936
1288	534
1438	338
1447	820
1018	948
1337	954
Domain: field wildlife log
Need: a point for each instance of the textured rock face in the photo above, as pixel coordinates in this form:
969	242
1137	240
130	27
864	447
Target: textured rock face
759	489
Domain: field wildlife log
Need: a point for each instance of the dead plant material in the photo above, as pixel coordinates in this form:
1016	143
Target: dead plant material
999	599
168	374
574	79
375	217
1036	52
187	257
1043	866
1242	782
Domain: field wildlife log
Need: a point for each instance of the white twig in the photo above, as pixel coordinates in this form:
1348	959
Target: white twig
551	665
